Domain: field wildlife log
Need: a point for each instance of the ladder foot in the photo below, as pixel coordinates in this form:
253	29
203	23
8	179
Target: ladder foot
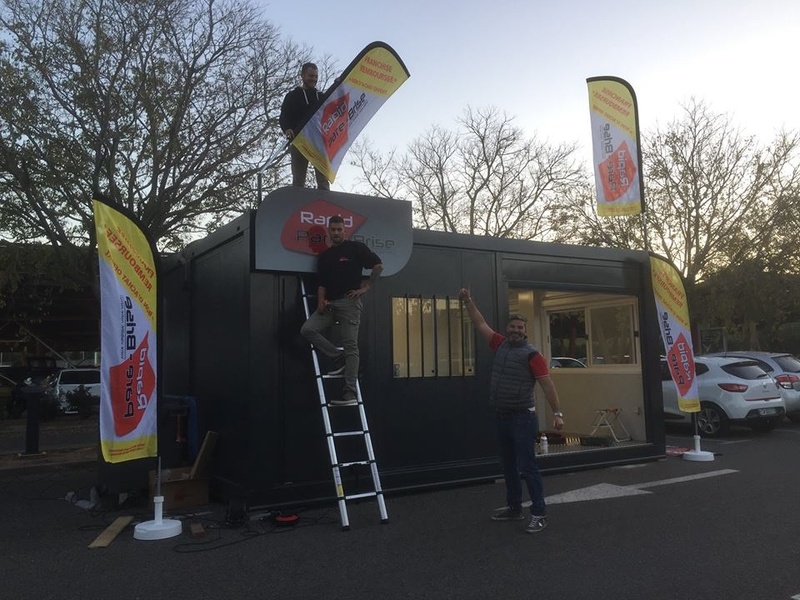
384	521
346	528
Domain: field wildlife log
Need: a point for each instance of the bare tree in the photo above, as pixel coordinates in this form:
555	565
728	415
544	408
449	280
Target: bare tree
168	107
710	190
485	178
714	196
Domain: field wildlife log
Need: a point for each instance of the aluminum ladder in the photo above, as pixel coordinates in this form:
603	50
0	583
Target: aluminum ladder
332	436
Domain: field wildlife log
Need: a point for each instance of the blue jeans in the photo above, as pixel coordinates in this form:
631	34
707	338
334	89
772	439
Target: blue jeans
516	434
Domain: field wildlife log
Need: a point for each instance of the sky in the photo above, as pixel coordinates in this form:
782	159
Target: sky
531	59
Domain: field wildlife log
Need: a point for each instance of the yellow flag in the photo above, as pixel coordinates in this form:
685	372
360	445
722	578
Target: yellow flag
673	319
128	321
365	85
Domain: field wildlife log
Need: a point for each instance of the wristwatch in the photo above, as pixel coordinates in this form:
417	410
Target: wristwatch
558	414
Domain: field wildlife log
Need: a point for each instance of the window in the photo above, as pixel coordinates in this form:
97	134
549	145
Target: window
431	337
568	335
603	334
612	335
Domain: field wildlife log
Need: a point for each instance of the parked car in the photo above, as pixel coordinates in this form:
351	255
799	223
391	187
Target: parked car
784	369
731	390
69	380
566	362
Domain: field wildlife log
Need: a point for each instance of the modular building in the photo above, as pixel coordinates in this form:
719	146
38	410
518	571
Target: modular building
232	313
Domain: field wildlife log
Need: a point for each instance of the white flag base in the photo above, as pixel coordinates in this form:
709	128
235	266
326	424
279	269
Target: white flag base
698	455
158	529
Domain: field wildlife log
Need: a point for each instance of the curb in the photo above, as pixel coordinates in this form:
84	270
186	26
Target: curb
55	460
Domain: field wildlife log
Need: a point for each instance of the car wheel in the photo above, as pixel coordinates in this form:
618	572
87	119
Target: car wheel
712	420
794	417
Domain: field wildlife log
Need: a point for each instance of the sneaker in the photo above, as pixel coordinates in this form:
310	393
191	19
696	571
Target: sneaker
343	402
508	514
337	368
537	524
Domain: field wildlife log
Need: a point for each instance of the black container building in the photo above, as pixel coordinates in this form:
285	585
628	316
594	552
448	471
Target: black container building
230	338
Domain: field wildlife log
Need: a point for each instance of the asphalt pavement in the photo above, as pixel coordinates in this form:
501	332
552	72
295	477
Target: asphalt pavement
668	529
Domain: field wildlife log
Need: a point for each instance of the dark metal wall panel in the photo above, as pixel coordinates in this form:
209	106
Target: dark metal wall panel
570	273
220	350
422	422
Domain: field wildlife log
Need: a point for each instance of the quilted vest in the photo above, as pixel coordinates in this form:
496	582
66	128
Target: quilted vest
512	381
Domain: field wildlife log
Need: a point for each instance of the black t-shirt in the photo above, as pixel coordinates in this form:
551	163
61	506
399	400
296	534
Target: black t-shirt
339	267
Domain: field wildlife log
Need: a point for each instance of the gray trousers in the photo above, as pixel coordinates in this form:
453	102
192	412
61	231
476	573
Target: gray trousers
300	168
347	312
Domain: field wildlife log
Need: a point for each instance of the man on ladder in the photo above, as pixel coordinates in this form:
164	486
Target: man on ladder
339	300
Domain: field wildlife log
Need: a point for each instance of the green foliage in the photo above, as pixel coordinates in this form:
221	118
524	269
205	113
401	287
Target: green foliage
32	274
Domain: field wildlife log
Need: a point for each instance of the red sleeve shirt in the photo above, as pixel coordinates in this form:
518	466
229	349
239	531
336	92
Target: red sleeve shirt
537	363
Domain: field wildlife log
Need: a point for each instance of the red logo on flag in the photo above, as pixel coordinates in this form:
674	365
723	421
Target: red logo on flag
335	124
132	385
681	365
618	172
306	230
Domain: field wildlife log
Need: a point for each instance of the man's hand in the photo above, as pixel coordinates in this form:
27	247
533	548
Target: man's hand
463	294
289	133
359	291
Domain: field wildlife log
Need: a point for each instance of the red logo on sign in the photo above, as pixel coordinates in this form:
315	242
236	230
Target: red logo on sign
306	230
617	173
335	124
681	365
132	385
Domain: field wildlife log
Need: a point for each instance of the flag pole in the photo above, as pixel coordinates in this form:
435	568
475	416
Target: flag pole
697	455
159	528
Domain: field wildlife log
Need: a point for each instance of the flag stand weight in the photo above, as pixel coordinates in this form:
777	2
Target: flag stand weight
159	528
697	455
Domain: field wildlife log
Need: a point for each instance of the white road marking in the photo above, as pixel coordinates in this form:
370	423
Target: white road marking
685	478
602	491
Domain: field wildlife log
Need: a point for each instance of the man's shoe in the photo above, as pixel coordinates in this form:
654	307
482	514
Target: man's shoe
343	402
508	514
337	368
536	524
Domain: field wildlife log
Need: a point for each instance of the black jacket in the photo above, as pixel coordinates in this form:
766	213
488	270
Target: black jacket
298	106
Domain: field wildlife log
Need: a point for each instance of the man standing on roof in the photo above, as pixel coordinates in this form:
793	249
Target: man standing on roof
339	300
297	107
517	367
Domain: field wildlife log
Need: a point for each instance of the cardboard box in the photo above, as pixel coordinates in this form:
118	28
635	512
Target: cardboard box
178	489
185	487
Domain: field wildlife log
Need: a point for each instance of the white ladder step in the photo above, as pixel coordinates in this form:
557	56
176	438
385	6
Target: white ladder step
355	462
364	495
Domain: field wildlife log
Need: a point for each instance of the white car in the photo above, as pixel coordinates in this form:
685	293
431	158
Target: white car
784	369
731	390
566	362
69	380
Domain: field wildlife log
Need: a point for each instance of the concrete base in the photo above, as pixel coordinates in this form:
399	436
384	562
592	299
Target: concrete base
159	528
152	530
698	455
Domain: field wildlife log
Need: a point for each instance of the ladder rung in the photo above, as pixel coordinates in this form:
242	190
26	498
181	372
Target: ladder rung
347	433
364	495
356	462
